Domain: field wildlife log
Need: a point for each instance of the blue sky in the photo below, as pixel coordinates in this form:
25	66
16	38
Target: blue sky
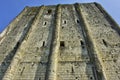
11	8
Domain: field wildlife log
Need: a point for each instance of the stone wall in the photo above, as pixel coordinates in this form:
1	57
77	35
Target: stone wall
63	42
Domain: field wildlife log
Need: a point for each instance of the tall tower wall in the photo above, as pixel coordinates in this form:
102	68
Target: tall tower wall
61	42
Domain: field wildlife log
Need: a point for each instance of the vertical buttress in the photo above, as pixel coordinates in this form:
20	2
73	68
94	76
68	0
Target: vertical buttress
92	52
9	75
51	73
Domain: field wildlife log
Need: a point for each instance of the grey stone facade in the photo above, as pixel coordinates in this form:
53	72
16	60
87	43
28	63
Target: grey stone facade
61	42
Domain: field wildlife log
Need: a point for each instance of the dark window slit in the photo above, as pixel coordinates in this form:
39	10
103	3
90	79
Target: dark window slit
49	11
76	77
43	44
72	70
82	44
45	23
64	22
78	21
62	44
104	42
91	78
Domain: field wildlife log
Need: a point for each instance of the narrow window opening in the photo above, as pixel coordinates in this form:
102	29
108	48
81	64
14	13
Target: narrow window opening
82	44
78	21
72	70
45	23
62	44
104	42
91	78
49	11
43	44
76	77
64	22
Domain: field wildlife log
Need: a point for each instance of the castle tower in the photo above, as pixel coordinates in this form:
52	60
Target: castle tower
61	42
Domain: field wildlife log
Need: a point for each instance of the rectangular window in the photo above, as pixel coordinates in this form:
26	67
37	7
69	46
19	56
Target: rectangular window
82	44
45	23
43	44
62	44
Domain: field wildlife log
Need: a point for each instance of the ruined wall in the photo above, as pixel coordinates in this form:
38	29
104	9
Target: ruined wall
63	42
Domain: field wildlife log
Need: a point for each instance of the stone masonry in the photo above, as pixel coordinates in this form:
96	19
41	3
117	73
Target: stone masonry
61	42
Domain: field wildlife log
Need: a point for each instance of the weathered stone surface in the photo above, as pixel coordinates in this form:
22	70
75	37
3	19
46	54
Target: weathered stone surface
63	42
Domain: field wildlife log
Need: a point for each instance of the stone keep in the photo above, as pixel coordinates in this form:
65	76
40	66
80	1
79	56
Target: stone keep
61	42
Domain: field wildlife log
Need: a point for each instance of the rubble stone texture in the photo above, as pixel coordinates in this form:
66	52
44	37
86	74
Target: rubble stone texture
61	42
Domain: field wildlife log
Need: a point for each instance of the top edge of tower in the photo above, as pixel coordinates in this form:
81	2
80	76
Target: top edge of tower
62	4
